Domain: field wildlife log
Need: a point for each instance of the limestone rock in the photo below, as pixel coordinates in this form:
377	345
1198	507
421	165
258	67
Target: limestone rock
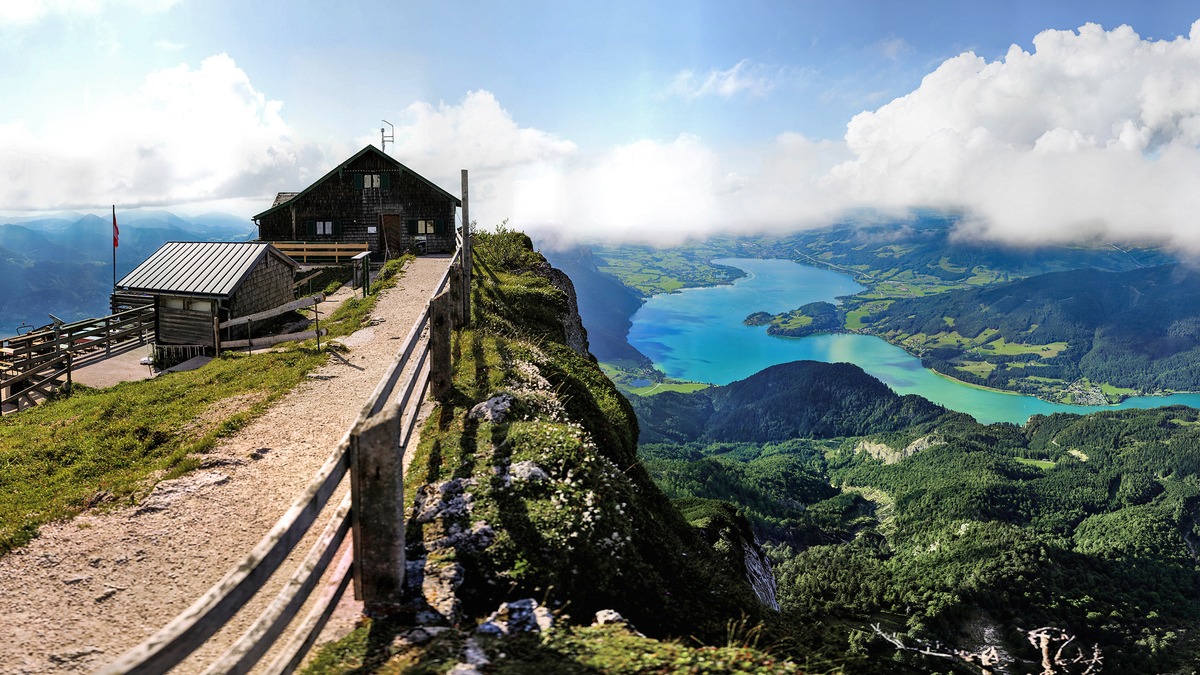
494	410
518	616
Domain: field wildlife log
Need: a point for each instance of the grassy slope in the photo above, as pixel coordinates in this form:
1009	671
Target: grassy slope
110	446
596	533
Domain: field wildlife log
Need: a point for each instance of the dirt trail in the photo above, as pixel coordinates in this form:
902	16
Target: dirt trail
85	591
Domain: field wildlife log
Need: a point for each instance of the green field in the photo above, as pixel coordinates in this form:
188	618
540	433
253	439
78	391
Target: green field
1043	464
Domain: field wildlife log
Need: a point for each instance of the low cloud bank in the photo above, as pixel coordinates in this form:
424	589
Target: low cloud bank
190	135
1093	135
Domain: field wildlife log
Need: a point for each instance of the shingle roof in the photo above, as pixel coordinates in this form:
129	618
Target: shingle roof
283	197
279	201
198	268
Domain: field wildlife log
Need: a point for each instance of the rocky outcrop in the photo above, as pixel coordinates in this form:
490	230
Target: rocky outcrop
760	576
572	323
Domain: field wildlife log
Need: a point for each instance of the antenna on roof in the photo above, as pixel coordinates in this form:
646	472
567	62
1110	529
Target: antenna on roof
384	137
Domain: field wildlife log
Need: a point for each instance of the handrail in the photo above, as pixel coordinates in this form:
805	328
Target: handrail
184	634
303	250
187	631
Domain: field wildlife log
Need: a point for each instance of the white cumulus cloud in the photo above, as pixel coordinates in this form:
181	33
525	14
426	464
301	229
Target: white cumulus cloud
189	135
479	135
1092	135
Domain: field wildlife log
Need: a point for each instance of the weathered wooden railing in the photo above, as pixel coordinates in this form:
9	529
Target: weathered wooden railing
268	340
25	359
18	392
372	452
321	251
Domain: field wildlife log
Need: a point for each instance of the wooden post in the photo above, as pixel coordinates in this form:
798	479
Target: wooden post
108	336
216	336
366	276
377	493
456	304
466	252
439	346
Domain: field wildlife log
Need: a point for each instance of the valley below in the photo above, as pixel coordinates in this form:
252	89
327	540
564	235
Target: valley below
865	401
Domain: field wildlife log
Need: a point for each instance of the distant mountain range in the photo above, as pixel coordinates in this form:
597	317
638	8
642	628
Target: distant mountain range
62	264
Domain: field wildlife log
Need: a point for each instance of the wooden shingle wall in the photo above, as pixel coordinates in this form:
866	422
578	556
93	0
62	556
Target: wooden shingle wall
356	210
268	286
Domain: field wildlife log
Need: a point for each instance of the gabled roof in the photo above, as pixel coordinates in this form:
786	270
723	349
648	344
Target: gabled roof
199	268
280	201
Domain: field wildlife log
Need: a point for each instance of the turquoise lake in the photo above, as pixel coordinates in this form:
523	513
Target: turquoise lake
698	334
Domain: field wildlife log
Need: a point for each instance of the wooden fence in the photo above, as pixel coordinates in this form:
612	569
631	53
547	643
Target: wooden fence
321	251
372	452
27	360
265	341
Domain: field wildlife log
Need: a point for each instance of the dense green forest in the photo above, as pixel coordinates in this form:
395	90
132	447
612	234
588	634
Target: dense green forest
802	399
1135	330
947	532
809	319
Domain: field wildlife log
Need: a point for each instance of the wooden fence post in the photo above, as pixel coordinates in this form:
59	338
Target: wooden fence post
466	253
456	305
439	346
377	494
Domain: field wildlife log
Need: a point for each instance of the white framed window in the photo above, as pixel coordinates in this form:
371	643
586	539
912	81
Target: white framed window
425	226
325	227
371	180
200	305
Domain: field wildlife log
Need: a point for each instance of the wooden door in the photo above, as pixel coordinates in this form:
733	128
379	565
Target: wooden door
391	234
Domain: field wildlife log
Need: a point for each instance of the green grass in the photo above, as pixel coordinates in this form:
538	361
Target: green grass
113	444
1046	351
660	387
611	649
1113	392
1043	464
980	368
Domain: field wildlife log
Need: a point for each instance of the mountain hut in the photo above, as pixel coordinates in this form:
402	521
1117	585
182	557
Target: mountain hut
196	284
371	200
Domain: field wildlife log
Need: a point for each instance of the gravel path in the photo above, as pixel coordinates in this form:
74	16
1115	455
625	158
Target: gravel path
85	591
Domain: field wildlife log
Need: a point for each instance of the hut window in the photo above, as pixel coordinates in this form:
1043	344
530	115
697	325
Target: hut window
372	180
173	303
426	226
324	227
200	305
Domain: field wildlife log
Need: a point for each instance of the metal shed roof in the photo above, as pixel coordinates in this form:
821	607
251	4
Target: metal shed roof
198	268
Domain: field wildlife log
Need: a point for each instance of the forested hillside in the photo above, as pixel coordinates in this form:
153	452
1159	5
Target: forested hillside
803	399
1134	330
954	535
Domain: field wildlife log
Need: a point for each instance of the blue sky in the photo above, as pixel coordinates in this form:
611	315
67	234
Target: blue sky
641	120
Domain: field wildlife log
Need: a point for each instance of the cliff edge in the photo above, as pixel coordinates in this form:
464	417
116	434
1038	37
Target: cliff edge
536	538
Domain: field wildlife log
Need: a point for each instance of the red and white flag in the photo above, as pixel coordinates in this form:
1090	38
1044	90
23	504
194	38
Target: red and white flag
116	232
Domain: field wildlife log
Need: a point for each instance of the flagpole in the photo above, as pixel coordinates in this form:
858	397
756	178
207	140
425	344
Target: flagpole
114	255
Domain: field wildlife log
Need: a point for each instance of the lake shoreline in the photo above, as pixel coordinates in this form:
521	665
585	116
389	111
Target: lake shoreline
700	336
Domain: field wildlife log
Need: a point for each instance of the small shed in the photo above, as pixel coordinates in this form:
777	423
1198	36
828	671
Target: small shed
369	199
195	284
